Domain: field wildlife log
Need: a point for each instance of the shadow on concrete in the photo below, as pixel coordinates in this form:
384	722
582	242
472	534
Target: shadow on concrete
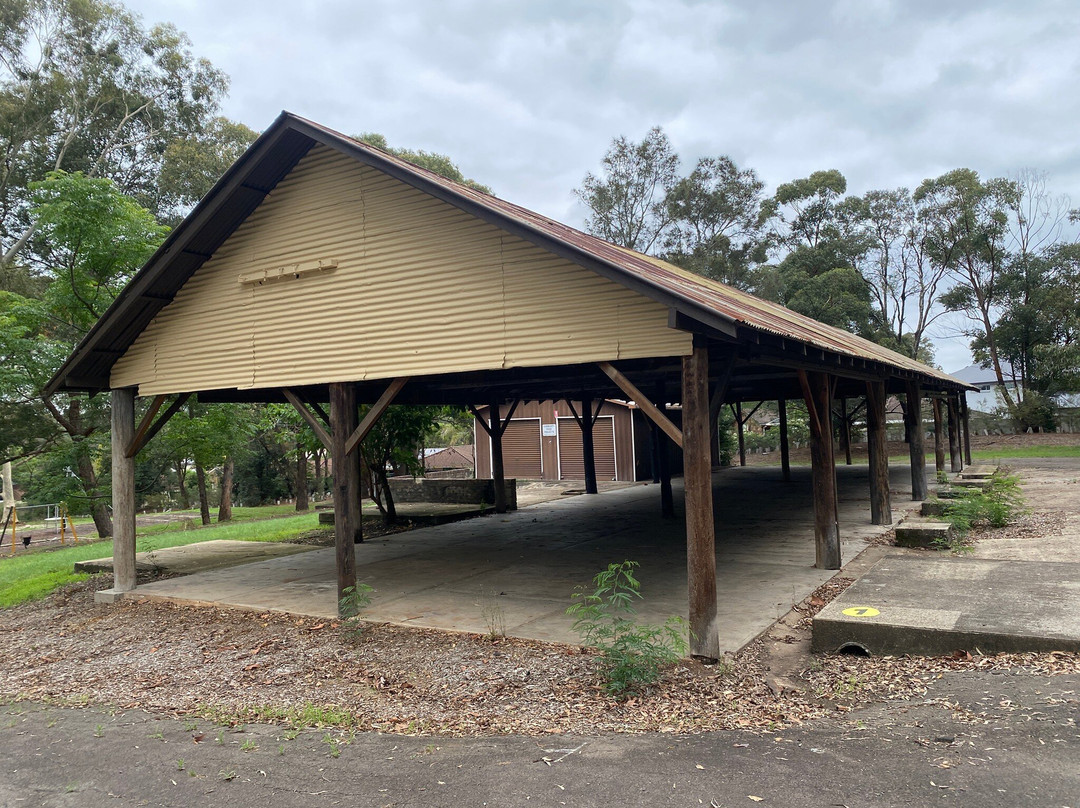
515	573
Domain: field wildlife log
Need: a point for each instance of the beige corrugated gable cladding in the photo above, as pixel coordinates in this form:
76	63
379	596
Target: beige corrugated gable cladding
420	288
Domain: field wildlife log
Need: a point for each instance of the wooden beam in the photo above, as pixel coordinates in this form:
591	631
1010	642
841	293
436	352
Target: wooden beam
312	421
135	446
663	459
817	390
588	449
785	457
479	419
916	448
965	423
955	458
939	438
123	489
498	472
347	520
643	403
375	413
739	423
509	414
144	424
877	448
700	523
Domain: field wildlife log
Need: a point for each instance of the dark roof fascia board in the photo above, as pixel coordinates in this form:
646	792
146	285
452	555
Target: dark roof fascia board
368	156
141	286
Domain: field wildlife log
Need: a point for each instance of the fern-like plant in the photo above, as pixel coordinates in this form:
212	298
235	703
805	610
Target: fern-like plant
632	654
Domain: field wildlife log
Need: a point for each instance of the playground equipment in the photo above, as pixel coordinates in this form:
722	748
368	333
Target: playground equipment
53	515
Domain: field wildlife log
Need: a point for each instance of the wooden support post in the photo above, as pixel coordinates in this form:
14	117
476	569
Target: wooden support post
965	423
939	438
123	490
785	458
877	447
716	402
700	524
498	475
654	446
667	499
817	390
739	426
585	422
347	517
916	448
845	431
955	459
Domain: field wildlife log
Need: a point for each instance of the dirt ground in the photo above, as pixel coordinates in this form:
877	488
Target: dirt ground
237	666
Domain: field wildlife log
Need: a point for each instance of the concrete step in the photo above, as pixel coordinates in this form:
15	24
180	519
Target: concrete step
937	604
933	507
978	472
920	533
979	484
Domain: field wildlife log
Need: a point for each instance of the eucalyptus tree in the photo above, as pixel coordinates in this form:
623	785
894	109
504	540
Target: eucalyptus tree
627	201
716	224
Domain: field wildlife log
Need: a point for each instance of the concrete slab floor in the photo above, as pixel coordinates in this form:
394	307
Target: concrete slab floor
942	604
517	571
206	555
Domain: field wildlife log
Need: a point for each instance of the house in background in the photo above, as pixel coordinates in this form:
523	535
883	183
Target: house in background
450	463
988	397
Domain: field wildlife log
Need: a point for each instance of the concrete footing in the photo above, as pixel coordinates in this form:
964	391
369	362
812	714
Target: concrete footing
108	596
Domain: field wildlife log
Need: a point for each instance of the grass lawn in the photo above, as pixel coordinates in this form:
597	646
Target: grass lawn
35	575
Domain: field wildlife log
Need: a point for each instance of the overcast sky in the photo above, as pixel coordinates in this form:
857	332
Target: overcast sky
526	96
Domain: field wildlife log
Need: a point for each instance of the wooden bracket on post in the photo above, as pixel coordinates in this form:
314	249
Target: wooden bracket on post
145	431
594	416
374	414
643	403
312	421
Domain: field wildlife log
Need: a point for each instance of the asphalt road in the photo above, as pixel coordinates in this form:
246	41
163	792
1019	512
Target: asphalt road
978	739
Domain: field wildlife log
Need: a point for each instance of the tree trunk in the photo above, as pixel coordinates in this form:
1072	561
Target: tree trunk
99	510
301	478
181	475
225	506
9	491
204	499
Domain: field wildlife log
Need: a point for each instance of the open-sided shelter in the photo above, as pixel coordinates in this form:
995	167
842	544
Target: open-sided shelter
322	270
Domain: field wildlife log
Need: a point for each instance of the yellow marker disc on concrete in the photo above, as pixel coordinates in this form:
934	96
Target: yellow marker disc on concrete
862	611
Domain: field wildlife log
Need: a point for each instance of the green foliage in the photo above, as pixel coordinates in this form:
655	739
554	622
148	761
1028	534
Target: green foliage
633	654
394	445
996	505
432	161
716	224
352	603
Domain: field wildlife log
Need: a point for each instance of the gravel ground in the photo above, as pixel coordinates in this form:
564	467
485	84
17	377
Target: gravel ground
242	666
239	667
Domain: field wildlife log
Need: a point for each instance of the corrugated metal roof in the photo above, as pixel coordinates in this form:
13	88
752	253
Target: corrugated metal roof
279	148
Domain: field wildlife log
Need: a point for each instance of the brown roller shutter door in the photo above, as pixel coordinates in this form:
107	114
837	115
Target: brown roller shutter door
571	455
521	449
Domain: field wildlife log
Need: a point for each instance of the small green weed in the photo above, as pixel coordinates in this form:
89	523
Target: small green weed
353	601
99	731
248	746
633	654
180	765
